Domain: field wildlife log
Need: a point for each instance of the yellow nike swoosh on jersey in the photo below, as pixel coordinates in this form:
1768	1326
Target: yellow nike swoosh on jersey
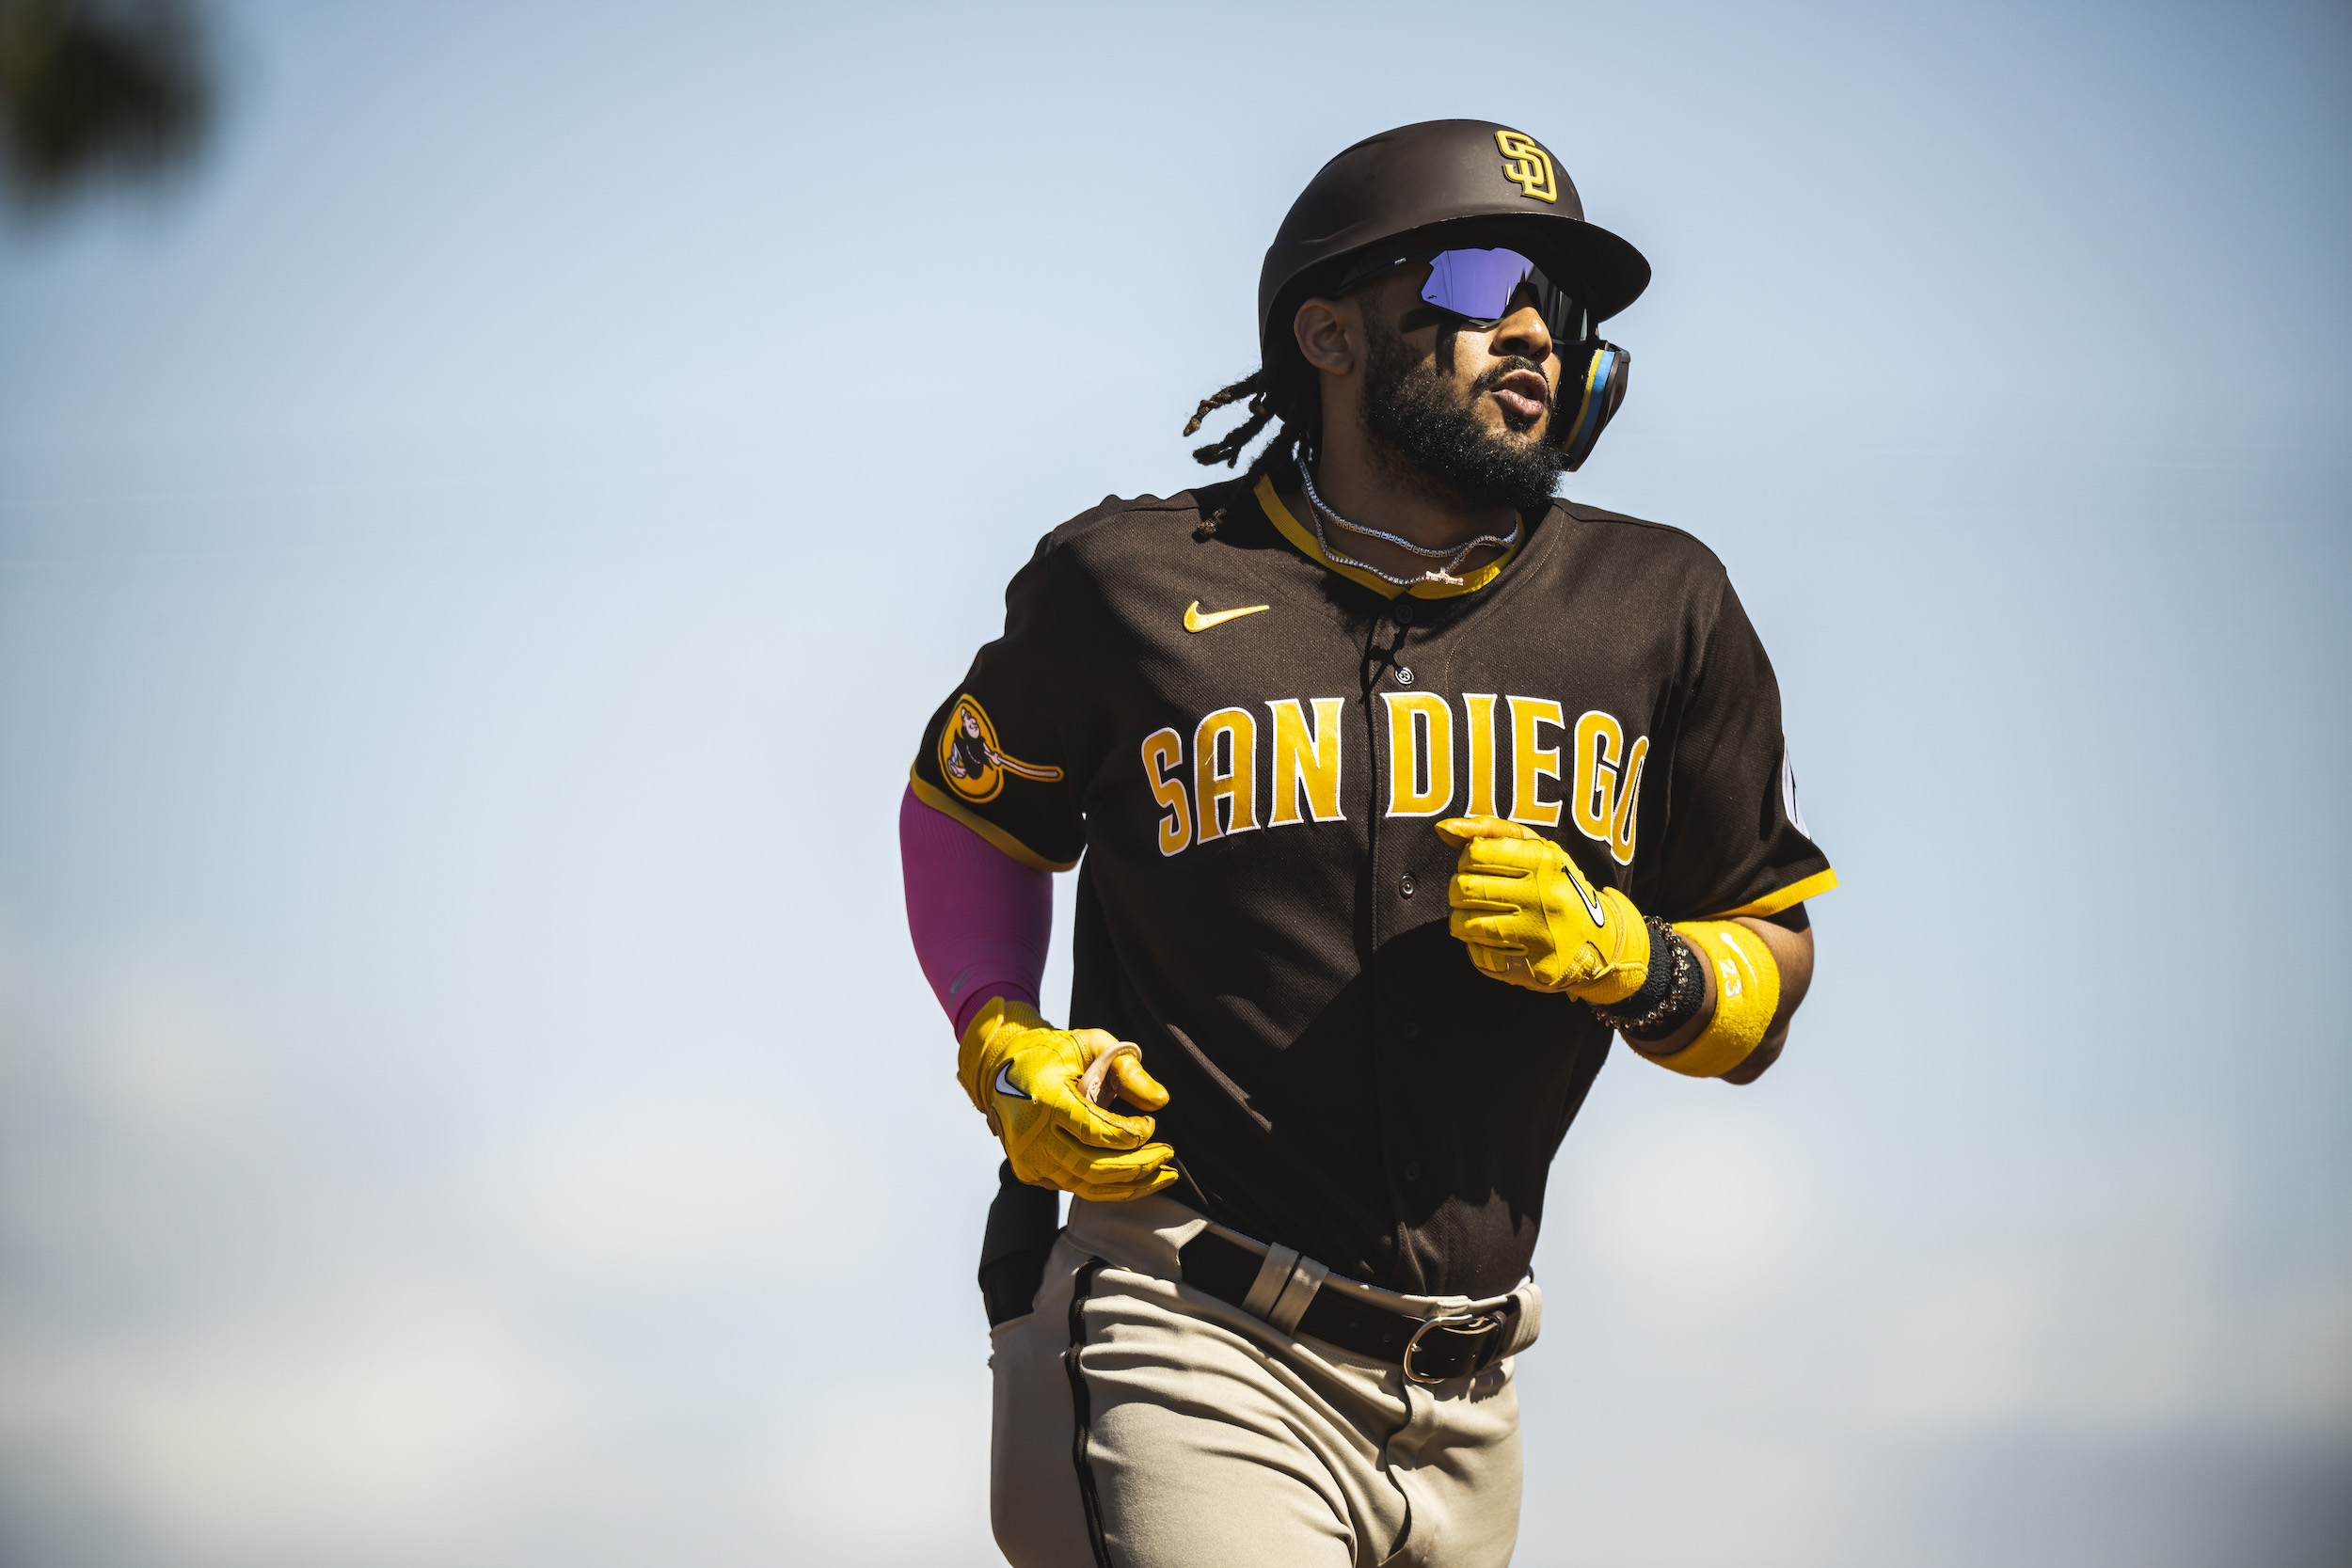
1194	621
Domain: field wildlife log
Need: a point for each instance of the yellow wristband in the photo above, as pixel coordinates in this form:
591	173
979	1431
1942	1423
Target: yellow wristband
1747	993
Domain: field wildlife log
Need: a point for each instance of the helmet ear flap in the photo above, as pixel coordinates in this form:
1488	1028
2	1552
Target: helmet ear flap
1603	389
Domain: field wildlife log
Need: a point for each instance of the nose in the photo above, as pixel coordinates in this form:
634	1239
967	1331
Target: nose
1522	332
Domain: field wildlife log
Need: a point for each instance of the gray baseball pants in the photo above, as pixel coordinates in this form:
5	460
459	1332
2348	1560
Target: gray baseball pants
1143	1423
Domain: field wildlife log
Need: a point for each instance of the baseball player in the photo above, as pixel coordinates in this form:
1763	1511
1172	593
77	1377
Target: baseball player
1400	787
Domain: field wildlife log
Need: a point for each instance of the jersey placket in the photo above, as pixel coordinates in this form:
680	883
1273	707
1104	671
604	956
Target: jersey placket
1409	662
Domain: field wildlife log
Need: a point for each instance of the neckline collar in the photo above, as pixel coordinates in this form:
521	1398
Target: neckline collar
1304	537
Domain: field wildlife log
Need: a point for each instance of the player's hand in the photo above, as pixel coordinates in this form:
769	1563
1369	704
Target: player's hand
1530	919
1029	1078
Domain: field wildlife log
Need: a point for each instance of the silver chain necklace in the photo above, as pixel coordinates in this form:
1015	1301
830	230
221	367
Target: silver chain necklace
1452	556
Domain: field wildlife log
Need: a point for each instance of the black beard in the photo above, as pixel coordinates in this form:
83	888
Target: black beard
1425	431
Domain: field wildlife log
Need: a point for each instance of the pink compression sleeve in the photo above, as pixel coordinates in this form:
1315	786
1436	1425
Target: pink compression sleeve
980	919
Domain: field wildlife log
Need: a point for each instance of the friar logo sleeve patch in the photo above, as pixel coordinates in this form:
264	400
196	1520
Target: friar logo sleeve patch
971	761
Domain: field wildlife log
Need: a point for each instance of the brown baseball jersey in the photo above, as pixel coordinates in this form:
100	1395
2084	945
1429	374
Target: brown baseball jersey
1246	747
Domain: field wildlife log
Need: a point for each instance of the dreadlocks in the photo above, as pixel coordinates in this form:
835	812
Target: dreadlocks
1264	401
1283	388
1228	450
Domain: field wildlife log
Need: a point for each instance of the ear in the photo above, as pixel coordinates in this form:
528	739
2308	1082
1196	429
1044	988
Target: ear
1331	335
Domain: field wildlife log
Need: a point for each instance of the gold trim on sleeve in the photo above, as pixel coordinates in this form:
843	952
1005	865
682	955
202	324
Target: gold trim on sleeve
939	801
1781	898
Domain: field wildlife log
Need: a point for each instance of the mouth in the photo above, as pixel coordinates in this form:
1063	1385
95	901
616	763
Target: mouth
1523	394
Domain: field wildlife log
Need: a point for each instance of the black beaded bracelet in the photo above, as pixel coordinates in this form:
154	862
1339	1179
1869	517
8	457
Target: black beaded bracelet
1670	994
1657	986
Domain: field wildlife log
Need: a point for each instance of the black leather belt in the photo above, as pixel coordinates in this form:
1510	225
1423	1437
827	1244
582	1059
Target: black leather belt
1429	1350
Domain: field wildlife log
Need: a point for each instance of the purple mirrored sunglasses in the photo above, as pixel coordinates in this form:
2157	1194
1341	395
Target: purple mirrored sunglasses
1480	285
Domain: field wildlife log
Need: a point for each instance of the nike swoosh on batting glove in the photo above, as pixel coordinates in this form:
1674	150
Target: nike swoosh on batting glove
1529	918
1024	1075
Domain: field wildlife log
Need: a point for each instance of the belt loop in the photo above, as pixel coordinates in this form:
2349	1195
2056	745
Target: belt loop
1527	1323
1291	1306
1273	1274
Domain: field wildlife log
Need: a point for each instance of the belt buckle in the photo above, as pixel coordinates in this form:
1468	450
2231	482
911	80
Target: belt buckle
1448	1321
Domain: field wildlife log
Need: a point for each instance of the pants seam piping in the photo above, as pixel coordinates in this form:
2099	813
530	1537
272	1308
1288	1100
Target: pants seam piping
1082	1412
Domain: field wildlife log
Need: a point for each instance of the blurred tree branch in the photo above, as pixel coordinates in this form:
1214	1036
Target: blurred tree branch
97	89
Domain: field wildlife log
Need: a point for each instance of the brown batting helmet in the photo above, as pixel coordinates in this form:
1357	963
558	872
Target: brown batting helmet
1462	181
1459	182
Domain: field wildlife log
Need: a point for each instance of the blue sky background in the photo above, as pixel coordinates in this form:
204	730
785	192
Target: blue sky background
475	561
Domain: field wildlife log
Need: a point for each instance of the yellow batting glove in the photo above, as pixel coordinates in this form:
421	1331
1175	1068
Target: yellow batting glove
1032	1082
1530	919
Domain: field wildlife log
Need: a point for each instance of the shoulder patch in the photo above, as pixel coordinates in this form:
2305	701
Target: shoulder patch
970	760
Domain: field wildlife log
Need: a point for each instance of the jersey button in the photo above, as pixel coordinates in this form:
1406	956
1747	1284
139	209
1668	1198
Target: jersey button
1407	886
1412	1171
1412	1030
1404	675
1404	612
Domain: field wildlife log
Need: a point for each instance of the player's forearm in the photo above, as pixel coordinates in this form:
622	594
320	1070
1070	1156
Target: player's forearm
980	919
1792	955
